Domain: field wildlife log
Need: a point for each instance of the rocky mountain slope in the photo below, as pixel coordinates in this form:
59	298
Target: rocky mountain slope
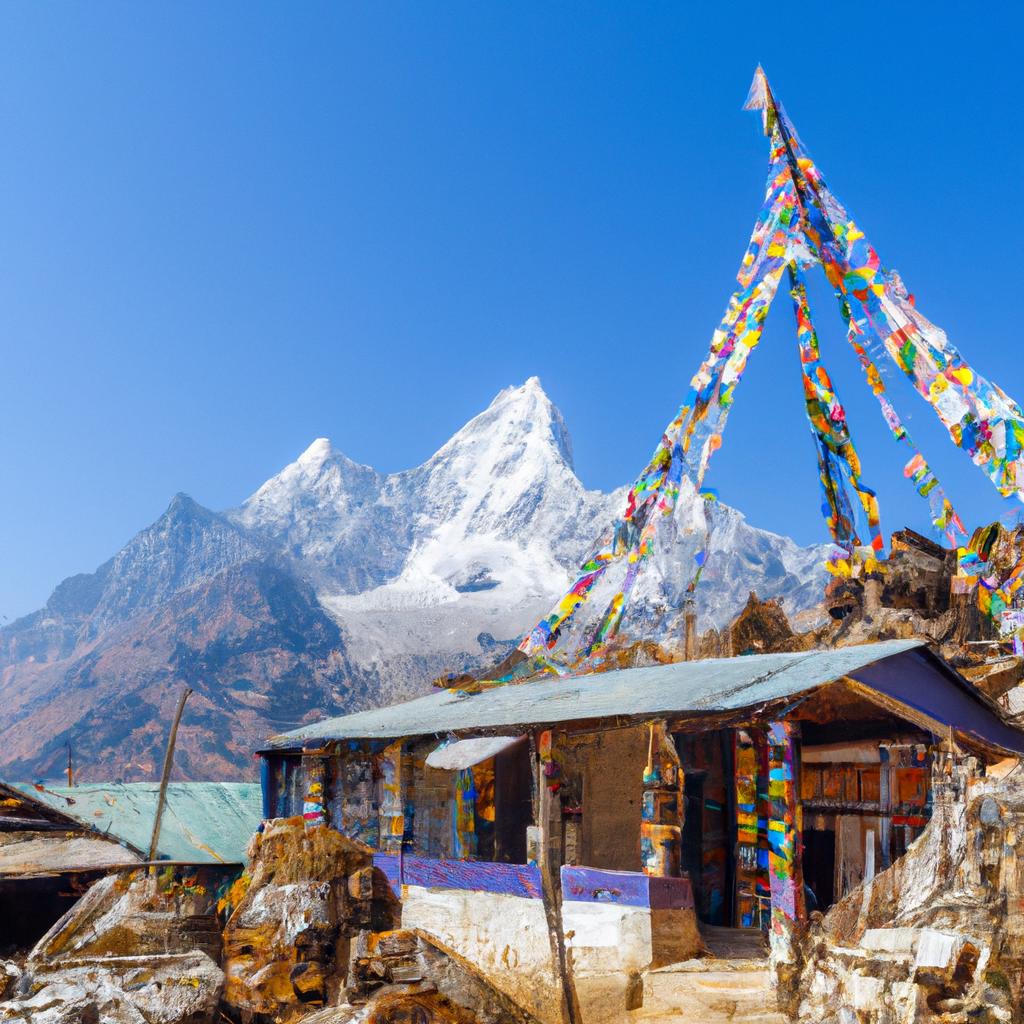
334	587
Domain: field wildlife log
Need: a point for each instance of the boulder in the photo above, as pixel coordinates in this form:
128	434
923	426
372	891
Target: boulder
182	988
307	893
135	914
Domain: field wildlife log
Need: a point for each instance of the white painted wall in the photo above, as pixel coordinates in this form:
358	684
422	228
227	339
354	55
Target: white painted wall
506	937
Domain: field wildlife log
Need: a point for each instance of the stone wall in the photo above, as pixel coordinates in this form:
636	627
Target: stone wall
504	937
612	766
939	936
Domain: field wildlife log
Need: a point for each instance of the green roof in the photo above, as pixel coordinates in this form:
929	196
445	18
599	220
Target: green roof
203	822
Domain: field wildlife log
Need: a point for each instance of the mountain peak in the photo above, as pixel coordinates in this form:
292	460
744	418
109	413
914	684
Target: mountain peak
531	390
183	505
322	457
317	453
183	517
525	410
183	513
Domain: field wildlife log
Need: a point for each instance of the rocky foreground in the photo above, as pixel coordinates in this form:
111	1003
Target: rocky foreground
311	933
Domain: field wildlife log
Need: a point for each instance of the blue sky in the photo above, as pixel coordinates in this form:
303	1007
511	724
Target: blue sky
228	229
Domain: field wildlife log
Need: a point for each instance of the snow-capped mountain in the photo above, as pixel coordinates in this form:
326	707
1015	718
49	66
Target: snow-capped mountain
462	549
503	488
477	543
335	586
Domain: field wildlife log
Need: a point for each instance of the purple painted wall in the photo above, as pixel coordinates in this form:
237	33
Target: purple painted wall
480	876
585	885
626	888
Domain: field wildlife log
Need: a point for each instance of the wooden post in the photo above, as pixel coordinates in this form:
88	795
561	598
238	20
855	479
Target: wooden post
549	821
661	808
784	838
165	777
690	626
885	780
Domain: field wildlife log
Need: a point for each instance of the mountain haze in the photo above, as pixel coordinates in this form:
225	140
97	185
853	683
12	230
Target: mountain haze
335	587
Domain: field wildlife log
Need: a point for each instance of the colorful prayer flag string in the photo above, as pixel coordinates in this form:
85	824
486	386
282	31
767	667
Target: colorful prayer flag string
926	483
838	462
698	426
980	417
800	222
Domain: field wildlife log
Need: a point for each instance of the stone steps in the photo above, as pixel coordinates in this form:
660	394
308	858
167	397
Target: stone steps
709	991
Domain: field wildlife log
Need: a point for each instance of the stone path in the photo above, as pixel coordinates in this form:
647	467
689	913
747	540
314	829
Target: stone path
732	986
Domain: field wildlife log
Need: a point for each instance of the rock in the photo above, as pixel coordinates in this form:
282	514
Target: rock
172	989
400	1006
135	914
10	973
762	627
936	937
126	953
286	945
309	980
405	973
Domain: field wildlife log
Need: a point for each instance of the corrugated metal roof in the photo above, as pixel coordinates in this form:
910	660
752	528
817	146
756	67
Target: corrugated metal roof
203	822
717	684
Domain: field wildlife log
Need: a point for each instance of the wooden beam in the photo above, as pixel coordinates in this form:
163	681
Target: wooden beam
549	822
110	869
11	824
166	775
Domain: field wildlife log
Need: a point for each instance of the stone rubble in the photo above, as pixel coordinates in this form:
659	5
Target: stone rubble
308	892
180	988
134	950
939	936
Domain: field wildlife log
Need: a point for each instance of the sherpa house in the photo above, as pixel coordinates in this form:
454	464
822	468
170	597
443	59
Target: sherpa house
56	841
741	793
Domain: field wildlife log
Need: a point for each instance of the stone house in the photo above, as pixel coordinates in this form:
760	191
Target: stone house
641	829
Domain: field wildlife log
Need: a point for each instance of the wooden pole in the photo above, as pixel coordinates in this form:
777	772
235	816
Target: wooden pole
690	630
549	852
71	769
165	777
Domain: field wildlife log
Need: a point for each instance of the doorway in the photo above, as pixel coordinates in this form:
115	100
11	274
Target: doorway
693	834
819	864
